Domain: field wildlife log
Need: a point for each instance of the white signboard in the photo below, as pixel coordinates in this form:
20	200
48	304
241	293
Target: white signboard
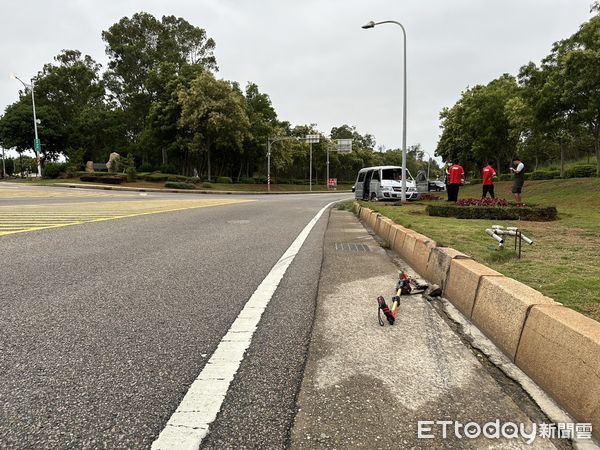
344	145
312	138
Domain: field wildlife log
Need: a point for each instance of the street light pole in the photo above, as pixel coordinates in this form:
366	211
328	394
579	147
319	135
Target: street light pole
372	24
35	130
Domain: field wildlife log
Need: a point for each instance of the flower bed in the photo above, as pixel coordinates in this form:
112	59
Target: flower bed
482	202
499	210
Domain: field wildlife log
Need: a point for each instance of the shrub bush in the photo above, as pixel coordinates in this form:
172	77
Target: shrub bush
207	185
53	170
103	179
179	185
247	180
179	178
168	168
131	174
224	180
543	175
261	180
195	180
537	214
158	177
476	181
581	171
505	177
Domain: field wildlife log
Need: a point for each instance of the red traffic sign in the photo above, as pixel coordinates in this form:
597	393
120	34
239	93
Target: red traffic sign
332	182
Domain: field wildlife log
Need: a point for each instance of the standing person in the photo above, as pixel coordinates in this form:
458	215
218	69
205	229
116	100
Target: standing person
519	173
456	176
487	174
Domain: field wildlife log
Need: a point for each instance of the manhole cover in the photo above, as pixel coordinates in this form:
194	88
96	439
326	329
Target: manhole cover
351	247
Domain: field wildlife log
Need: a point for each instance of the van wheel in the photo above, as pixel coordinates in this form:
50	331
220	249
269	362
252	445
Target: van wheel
373	197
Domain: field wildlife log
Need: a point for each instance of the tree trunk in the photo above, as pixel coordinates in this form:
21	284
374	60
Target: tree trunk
536	161
562	159
597	145
208	160
164	155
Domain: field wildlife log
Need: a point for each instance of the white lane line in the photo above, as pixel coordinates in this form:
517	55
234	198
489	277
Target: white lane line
190	422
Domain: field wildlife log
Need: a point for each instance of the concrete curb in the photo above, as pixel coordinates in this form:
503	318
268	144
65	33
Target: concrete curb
558	348
185	191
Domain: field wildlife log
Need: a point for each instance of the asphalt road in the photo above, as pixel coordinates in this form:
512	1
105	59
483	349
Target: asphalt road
103	326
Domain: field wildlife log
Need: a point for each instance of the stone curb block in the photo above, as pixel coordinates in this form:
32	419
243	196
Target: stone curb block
421	253
386	230
408	247
439	264
398	242
463	281
560	350
501	309
372	221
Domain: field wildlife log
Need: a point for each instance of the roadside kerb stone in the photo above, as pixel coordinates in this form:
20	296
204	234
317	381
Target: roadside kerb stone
439	264
501	309
421	253
398	242
372	221
560	351
463	281
386	229
379	225
408	247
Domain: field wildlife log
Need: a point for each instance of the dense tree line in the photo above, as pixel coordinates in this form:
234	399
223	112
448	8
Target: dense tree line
548	112
159	100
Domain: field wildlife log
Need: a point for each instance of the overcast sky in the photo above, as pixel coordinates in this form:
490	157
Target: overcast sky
312	57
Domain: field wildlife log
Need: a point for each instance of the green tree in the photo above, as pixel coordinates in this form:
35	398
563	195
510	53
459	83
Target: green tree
215	115
477	127
65	92
263	123
143	53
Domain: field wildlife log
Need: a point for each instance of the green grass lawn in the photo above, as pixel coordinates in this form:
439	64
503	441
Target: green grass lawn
564	261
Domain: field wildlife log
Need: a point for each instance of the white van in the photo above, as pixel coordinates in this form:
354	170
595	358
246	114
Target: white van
383	183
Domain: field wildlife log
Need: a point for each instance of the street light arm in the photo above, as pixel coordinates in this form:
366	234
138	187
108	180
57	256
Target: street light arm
14	77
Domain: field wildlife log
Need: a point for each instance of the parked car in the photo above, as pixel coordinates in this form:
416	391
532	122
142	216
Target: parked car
383	183
425	185
437	185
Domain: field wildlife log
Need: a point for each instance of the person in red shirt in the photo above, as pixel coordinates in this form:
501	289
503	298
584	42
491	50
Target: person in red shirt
456	177
487	174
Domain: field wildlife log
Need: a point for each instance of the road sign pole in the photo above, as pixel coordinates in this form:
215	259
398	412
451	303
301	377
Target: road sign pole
327	179
310	170
268	165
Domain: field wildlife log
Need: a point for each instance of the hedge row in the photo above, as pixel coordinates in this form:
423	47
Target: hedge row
576	171
114	179
179	185
537	214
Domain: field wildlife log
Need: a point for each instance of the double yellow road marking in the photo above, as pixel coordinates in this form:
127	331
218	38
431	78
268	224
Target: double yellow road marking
26	218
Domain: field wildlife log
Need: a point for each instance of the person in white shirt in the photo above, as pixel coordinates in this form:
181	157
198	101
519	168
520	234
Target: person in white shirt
519	173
